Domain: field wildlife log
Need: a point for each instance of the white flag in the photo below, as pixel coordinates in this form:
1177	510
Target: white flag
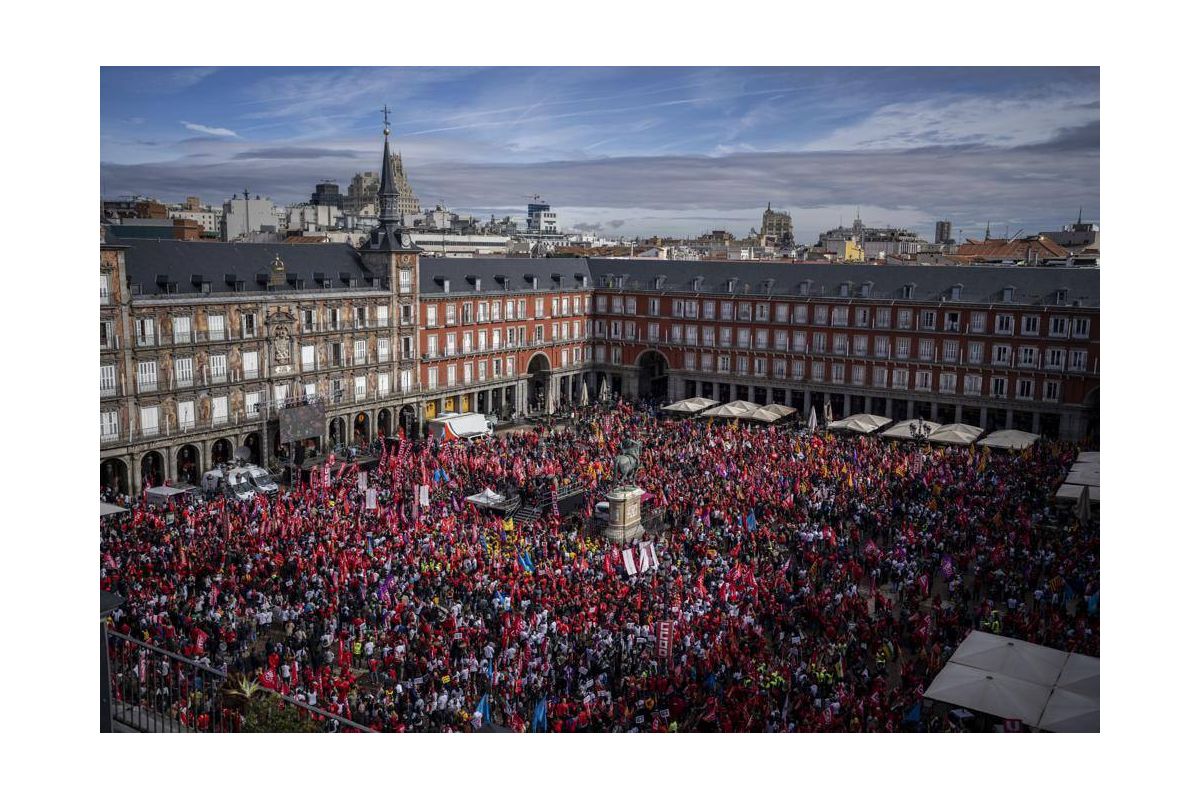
372	498
627	557
649	559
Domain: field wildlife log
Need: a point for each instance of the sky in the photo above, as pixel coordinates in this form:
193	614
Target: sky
628	151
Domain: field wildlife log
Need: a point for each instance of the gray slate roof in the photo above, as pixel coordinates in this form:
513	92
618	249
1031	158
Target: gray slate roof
148	259
980	284
519	271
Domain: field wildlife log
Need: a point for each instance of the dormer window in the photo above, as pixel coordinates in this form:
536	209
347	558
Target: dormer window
865	289
478	284
1008	293
956	291
907	291
730	284
659	280
1060	297
535	283
805	287
696	284
844	289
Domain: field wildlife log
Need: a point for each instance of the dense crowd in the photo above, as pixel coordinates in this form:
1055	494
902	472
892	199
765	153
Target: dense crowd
814	582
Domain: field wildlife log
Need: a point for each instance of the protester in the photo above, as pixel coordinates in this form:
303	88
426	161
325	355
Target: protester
813	582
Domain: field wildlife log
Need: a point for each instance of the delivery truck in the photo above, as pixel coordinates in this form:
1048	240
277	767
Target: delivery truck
460	426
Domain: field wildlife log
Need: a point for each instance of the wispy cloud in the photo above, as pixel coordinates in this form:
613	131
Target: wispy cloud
198	128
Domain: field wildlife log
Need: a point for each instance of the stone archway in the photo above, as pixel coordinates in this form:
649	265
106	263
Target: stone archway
114	475
152	469
652	376
361	429
383	423
538	382
222	451
337	432
253	443
408	420
187	465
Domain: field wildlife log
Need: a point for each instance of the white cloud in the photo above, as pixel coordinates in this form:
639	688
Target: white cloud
205	129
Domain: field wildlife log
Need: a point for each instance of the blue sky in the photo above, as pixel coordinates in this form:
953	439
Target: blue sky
628	151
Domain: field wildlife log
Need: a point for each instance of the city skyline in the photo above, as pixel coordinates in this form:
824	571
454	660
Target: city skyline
629	152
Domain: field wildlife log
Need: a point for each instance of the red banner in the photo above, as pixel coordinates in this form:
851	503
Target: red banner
665	637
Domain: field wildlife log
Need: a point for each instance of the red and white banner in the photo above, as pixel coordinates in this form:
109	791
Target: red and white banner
630	566
665	637
649	558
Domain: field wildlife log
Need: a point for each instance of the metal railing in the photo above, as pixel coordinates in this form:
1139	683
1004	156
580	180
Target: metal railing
157	691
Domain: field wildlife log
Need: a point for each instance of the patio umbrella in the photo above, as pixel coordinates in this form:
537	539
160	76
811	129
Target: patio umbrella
812	417
1011	657
990	693
583	396
1070	712
604	389
828	412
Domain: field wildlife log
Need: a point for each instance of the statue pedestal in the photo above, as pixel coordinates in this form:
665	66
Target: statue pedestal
624	514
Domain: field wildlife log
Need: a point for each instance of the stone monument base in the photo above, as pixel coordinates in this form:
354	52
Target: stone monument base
624	514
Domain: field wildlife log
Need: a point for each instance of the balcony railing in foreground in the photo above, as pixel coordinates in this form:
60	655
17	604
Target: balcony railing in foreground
157	691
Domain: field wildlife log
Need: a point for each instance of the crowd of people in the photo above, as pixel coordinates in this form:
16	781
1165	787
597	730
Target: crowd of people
812	582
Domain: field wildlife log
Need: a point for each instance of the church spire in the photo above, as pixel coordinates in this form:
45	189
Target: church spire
389	196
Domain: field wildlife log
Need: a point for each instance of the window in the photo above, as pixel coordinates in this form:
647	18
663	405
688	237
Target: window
310	391
183	372
404	281
431	345
860	345
925	349
1000	354
381	315
216	327
999	387
616	355
468	372
522	311
726	337
431	316
601	352
978	321
708	336
186	415
904	318
951	323
928	320
1079	360
839	344
899	379
879	376
743	365
1058	326
252	402
760	367
654	308
1027	357
837	373
818	371
973	385
726	309
108	380
760	339
743	338
451	346
841	315
743	312
451	375
948	382
689	360
858	375
406	379
862	316
618	305
181	329
1029	325
722	363
882	347
781	339
452	313
383	348
1056	358
147	376
924	380
820	315
691	333
431	377
1081	328
798	370
145	331
308	319
250	365
249	326
800	313
883	317
308	357
780	369
950	351
601	303
799	341
706	362
902	347
149	418
218	368
818	343
975	352
508	310
1004	323
781	311
104	286
106	335
1051	391
1024	389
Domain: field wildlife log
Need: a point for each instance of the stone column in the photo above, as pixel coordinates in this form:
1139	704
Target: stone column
1037	422
958	412
887	409
1008	418
983	417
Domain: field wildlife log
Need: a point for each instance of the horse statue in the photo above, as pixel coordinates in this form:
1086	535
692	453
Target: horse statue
629	458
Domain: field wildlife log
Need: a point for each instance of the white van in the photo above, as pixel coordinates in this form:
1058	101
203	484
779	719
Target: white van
235	482
460	426
262	480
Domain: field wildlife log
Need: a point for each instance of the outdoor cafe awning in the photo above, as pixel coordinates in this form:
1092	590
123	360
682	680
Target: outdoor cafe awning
904	430
693	405
1009	440
955	433
859	423
108	509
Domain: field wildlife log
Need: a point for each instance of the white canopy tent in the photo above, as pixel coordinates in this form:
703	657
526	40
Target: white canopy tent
693	405
108	509
990	693
860	423
1045	688
1009	440
955	433
738	409
779	410
904	430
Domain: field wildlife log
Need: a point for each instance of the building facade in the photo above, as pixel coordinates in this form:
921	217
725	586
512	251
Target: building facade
204	347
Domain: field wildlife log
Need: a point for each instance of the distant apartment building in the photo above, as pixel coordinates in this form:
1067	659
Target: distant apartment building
243	217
